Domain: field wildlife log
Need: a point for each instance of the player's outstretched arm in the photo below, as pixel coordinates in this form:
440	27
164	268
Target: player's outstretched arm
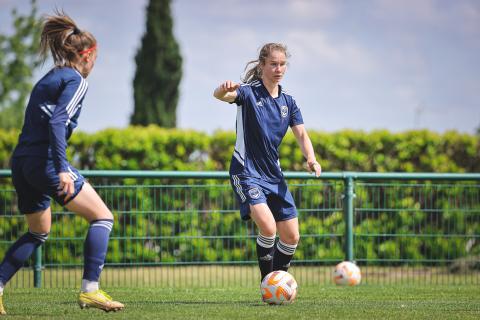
307	149
227	91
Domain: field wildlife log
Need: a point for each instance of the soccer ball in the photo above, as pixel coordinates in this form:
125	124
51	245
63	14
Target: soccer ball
347	273
278	287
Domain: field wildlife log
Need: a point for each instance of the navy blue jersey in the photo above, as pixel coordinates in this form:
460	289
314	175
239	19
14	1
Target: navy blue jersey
51	115
262	122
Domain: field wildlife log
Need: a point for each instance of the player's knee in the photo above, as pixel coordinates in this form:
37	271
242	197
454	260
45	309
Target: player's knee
40	229
268	231
292	238
296	238
105	214
109	215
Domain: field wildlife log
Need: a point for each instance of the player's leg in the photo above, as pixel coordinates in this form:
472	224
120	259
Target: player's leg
2	308
263	218
289	237
38	228
283	207
253	206
36	207
88	204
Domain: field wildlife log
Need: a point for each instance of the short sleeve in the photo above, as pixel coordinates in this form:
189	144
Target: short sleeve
240	99
295	114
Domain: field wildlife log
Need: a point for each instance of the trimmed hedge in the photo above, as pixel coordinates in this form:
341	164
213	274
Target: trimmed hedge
154	148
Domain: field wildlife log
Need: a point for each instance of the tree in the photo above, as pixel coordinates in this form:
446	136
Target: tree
18	60
159	70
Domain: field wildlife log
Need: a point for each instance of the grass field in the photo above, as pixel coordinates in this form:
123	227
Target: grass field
216	276
322	302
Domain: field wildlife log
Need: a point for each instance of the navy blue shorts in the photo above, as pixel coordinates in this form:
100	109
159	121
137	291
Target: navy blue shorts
36	182
251	191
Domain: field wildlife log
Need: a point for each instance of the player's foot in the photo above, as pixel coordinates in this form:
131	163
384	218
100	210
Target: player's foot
2	309
98	299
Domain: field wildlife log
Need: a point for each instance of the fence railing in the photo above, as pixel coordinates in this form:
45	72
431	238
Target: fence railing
183	228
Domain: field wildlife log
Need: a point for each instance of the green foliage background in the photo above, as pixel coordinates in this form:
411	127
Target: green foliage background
18	60
154	148
199	223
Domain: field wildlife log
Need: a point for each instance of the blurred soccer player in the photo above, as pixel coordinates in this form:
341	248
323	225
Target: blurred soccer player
264	113
40	169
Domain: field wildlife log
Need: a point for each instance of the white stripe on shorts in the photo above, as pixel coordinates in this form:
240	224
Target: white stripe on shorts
236	182
72	174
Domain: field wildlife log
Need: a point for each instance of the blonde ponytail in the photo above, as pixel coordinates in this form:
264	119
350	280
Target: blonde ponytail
65	41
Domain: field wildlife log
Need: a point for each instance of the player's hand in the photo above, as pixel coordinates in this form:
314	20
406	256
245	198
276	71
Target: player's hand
66	187
229	86
314	167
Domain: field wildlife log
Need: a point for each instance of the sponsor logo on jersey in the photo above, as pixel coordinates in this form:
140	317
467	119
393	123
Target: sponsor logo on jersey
254	193
284	111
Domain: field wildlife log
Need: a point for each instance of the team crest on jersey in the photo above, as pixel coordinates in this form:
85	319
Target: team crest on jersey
284	111
254	193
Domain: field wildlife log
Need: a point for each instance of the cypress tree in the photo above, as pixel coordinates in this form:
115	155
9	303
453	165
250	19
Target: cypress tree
159	70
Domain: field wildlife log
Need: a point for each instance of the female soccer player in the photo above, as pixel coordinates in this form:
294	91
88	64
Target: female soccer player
264	113
40	169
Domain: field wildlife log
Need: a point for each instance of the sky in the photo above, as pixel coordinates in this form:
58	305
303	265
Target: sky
355	64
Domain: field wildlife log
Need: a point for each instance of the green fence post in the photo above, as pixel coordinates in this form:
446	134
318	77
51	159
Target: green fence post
37	268
348	216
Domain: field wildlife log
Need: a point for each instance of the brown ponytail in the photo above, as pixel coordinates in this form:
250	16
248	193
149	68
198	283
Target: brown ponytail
64	40
255	72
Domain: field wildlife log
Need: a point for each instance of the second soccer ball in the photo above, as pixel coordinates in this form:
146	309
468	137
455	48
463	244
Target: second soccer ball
347	273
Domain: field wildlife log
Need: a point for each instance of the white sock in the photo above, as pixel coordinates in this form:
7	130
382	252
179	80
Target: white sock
89	286
1	288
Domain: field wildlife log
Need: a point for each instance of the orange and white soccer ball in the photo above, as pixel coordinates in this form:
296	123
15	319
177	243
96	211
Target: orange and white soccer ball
347	273
278	287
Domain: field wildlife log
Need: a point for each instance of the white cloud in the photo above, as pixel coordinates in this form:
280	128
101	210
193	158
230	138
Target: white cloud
424	11
469	15
315	49
324	10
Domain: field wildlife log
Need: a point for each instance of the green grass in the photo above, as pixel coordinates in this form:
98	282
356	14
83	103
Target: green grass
215	276
323	302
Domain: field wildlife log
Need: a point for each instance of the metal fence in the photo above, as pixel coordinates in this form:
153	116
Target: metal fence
183	229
